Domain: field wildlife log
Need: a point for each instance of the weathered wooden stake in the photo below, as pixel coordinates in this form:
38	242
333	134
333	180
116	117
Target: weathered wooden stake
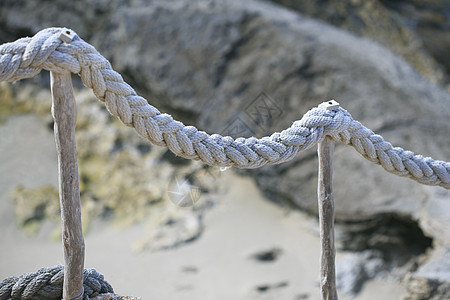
326	214
65	115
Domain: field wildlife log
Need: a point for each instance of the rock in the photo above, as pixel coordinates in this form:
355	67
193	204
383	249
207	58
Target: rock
431	282
114	165
34	206
171	227
252	68
110	296
356	268
434	219
415	30
398	240
429	20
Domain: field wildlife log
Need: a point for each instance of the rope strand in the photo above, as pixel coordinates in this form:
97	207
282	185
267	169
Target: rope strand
26	57
47	284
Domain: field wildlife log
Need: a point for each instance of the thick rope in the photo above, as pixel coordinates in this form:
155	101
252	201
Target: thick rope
27	56
47	284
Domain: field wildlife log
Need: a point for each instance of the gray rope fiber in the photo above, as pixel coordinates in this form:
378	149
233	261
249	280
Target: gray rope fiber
47	284
46	50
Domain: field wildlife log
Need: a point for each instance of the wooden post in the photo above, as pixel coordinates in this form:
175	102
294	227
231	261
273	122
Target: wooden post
326	214
65	115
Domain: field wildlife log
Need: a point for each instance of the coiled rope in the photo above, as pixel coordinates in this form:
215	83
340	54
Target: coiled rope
47	284
26	57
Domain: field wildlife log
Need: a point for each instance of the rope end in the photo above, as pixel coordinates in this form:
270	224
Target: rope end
329	105
66	35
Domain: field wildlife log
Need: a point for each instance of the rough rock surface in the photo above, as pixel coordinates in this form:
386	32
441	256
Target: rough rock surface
110	296
416	30
431	279
114	164
251	68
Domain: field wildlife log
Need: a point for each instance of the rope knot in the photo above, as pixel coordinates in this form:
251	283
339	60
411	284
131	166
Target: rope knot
340	122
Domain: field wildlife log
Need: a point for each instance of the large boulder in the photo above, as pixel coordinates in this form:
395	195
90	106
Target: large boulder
416	30
252	68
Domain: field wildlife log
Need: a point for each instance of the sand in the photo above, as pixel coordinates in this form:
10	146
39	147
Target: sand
220	264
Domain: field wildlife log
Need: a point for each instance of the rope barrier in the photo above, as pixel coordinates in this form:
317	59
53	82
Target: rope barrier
47	284
60	50
52	50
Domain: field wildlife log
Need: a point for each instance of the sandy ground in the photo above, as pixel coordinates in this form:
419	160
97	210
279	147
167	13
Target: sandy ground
218	265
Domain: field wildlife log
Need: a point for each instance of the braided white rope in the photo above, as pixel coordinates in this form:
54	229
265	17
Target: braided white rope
26	57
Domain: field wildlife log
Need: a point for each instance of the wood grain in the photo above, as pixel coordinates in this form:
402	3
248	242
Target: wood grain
65	115
326	220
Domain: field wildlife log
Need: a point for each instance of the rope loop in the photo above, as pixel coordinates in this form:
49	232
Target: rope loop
47	284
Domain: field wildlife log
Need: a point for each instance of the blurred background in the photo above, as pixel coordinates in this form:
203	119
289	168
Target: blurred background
162	227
